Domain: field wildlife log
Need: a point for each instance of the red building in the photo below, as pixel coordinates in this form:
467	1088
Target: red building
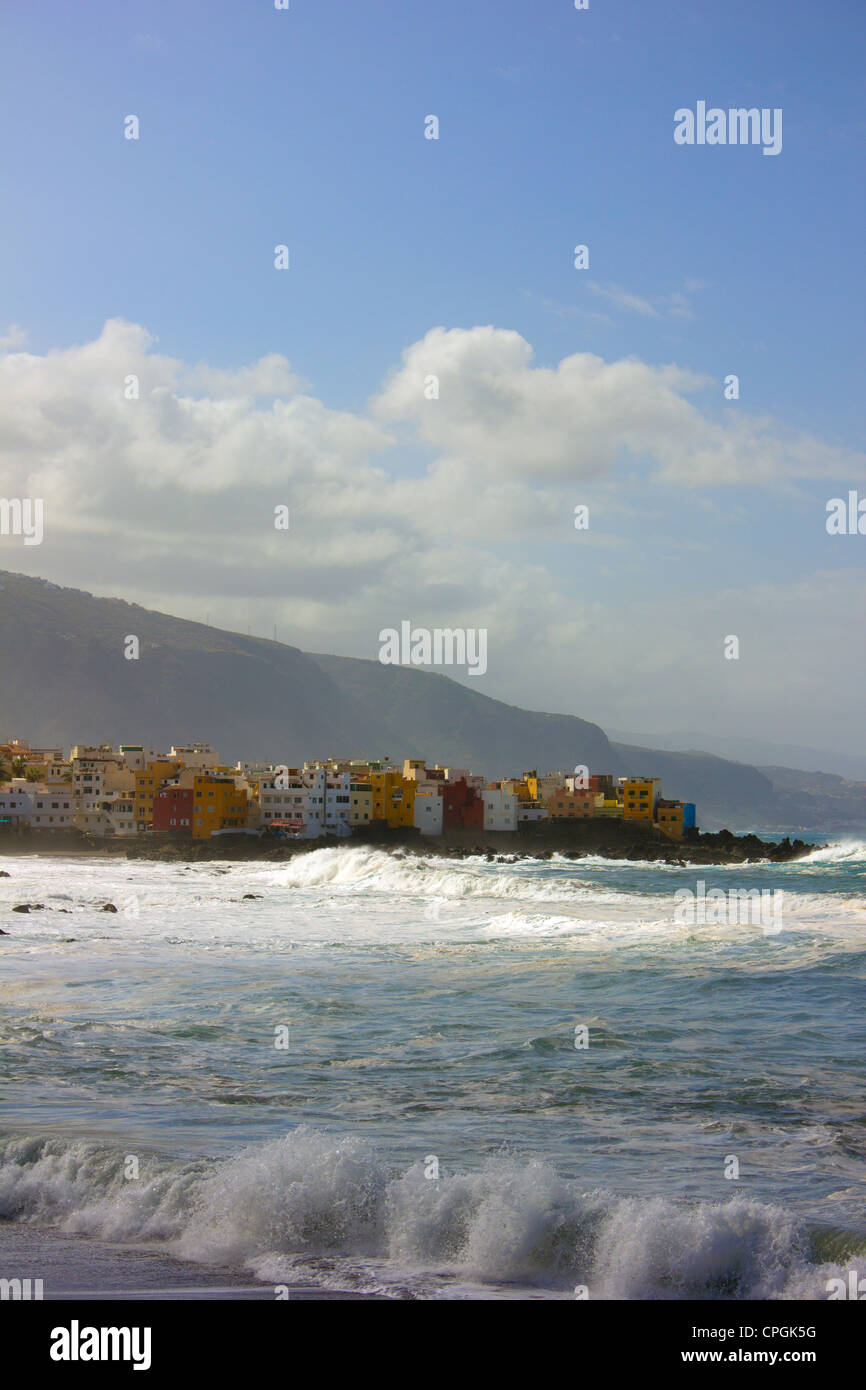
172	811
463	808
602	782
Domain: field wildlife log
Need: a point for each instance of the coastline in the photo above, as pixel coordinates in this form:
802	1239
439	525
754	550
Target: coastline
574	839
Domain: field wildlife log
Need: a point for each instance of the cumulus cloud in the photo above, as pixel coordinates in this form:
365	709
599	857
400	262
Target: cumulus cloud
454	511
115	414
498	413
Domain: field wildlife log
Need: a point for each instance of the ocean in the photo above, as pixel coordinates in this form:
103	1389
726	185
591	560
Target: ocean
414	1077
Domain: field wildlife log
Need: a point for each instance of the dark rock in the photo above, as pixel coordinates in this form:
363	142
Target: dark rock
252	895
109	907
3	874
29	907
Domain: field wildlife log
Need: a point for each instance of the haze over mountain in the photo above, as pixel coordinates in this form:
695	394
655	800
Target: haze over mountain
761	752
64	679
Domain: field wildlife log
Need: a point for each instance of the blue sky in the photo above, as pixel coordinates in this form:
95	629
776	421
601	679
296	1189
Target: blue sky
305	127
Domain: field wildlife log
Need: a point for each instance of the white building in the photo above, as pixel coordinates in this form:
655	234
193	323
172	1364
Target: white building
338	787
428	812
198	755
16	802
136	756
500	809
290	794
110	814
96	771
39	805
462	774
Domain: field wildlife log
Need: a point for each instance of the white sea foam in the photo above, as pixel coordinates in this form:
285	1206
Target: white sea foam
842	852
284	1204
382	872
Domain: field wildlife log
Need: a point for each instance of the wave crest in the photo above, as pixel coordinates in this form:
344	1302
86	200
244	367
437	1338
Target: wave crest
310	1195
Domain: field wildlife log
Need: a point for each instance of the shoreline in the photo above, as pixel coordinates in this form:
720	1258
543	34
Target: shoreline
610	839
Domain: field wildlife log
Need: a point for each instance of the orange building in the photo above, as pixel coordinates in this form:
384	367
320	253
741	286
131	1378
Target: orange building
217	804
147	784
566	805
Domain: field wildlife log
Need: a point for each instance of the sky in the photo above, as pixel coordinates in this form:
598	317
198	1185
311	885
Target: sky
452	258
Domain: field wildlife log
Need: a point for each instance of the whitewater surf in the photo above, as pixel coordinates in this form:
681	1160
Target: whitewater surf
360	1072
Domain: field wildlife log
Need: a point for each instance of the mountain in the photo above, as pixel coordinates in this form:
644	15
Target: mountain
758	752
64	679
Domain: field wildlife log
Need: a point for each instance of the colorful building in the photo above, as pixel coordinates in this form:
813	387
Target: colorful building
571	805
393	798
217	804
187	792
462	807
173	811
669	817
147	784
639	795
361	805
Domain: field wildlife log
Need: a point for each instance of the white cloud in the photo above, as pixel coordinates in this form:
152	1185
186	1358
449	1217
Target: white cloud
500	415
624	299
270	376
14	337
168	500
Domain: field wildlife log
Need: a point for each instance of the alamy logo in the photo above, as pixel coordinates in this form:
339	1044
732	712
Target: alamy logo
847	520
76	1343
742	907
20	1290
855	1290
459	646
737	126
22	516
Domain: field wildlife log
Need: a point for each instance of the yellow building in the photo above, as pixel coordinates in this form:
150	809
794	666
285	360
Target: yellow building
669	818
393	798
217	804
524	788
639	796
147	784
530	781
361	803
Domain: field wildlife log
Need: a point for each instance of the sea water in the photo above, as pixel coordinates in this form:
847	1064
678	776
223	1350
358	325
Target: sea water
431	1078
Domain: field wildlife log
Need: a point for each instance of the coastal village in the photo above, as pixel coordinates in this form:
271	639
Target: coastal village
187	793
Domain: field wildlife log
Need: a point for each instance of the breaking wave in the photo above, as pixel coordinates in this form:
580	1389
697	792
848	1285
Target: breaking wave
383	871
283	1205
845	852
